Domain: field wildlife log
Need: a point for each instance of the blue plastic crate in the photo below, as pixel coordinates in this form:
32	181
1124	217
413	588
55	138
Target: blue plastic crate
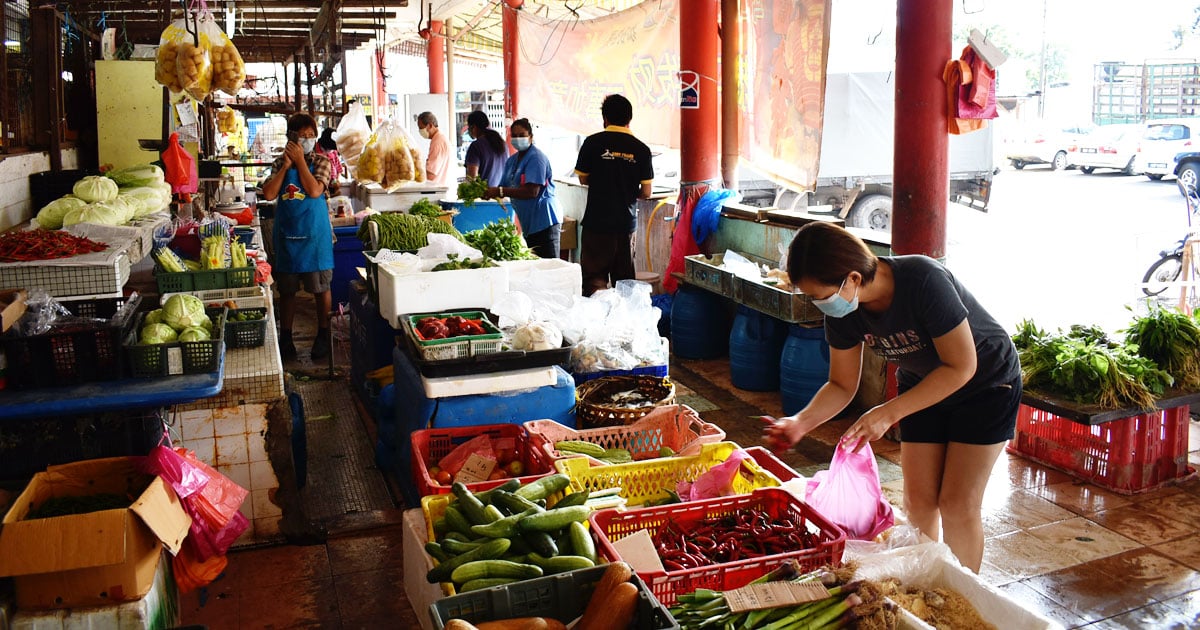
478	214
347	257
648	370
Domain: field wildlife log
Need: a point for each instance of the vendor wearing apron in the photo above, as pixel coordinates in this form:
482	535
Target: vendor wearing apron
529	183
302	233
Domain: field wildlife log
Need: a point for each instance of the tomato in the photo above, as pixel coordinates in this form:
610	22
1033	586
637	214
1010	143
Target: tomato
443	478
505	455
498	473
515	468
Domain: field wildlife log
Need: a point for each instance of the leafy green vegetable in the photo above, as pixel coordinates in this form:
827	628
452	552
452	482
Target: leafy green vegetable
426	208
153	334
183	311
500	241
1170	339
453	262
471	189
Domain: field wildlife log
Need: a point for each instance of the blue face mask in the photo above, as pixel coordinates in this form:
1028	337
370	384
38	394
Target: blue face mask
836	305
521	143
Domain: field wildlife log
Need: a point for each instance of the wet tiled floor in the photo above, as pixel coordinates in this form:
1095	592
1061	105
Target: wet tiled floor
1079	554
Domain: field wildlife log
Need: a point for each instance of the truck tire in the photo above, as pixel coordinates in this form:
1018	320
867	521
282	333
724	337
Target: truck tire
872	212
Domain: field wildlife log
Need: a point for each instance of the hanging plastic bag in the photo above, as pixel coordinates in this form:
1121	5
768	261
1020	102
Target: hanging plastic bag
849	493
185	478
228	69
220	498
166	58
194	68
352	134
192	573
180	169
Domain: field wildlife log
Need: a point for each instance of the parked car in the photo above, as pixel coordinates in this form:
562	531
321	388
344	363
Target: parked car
1110	146
1161	142
1187	170
1044	144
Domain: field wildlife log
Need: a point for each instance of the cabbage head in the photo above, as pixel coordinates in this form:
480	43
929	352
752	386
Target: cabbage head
183	311
101	212
154	317
128	207
195	333
95	188
141	206
140	175
157	333
51	215
152	200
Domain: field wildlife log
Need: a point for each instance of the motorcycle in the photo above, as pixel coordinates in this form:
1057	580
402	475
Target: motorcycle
1169	267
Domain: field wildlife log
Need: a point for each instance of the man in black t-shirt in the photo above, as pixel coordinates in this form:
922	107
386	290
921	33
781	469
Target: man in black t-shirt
615	166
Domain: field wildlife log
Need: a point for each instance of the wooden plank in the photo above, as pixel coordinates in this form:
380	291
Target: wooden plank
1094	414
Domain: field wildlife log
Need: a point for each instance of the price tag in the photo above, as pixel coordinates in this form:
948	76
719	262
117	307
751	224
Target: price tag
774	595
174	361
476	468
187	115
638	550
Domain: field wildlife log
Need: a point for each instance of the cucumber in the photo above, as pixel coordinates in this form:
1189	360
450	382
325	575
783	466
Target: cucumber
479	583
436	552
581	541
492	513
575	498
439	526
458	536
503	528
560	564
485	496
563	540
464	573
513	503
579	446
540	542
456	522
543	487
455	547
471	506
553	520
491	549
521	558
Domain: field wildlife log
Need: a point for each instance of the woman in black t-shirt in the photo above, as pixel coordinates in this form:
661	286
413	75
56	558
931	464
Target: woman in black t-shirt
958	374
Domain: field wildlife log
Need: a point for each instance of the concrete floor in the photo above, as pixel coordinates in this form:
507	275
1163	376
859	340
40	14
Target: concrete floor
1073	551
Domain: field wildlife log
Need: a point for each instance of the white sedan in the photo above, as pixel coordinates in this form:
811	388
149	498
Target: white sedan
1111	146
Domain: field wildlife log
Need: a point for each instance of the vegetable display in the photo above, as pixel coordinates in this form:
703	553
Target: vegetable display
1170	339
137	176
403	232
181	318
707	608
500	241
51	215
471	189
429	328
743	534
94	188
18	246
454	263
426	208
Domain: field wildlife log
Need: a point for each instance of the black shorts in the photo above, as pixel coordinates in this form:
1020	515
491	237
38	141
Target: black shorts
987	417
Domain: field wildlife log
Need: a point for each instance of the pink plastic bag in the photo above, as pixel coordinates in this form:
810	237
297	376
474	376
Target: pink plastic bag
849	494
716	482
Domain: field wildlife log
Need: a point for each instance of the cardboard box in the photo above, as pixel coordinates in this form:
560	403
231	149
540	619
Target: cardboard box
92	559
569	236
12	307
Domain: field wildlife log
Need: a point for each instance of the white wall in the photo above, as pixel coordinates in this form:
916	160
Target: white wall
15	205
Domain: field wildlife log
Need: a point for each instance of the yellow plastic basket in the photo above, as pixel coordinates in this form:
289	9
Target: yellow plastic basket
643	482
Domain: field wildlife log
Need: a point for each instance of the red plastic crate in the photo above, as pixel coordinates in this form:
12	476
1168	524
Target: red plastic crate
772	464
611	525
434	444
1130	455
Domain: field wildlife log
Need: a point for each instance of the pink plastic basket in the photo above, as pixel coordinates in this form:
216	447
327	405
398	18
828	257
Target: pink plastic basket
677	427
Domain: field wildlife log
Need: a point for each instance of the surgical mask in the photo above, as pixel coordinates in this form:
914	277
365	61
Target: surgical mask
836	305
424	131
521	144
308	144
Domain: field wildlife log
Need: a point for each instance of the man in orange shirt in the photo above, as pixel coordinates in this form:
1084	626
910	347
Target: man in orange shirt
437	165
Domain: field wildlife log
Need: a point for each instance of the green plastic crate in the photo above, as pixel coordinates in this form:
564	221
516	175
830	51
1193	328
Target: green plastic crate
455	347
250	333
203	280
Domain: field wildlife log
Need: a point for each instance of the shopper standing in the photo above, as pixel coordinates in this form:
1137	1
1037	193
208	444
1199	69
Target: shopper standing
616	168
302	232
959	376
327	147
486	155
529	183
437	164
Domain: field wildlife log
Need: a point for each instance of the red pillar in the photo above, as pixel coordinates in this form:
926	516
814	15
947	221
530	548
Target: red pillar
698	50
922	185
435	53
512	75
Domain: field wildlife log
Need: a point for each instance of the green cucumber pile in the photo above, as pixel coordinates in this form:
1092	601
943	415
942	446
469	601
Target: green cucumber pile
509	533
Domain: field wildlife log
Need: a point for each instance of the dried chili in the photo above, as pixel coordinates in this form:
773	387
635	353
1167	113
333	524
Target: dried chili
29	245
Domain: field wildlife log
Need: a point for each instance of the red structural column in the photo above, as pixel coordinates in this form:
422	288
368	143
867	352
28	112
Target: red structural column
922	185
435	53
698	52
512	75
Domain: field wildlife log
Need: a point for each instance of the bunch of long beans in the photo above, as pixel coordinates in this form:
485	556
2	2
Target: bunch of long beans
706	608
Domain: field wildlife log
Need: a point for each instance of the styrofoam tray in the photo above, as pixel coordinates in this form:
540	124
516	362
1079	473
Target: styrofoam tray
434	291
473	384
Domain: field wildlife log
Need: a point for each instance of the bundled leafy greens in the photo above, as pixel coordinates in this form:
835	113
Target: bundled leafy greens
1172	340
500	241
471	189
425	208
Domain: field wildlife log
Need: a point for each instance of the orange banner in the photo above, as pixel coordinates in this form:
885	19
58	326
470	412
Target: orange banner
569	66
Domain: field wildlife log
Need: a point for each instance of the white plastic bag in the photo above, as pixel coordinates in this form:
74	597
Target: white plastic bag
352	134
441	246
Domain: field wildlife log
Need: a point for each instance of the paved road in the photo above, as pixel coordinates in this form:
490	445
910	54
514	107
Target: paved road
1062	247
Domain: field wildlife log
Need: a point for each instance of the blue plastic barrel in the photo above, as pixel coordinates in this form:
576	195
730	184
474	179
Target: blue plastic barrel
699	324
803	366
755	347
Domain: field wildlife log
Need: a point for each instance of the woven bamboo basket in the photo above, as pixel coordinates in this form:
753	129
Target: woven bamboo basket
593	399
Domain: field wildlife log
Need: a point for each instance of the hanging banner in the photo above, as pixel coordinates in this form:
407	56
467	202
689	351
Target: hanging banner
785	47
569	66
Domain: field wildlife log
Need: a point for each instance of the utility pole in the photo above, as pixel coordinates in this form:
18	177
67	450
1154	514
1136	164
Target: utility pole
1042	72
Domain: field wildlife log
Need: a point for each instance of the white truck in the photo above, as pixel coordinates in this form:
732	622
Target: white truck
854	176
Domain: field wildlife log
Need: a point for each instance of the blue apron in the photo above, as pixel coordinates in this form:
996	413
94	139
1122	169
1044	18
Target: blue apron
303	235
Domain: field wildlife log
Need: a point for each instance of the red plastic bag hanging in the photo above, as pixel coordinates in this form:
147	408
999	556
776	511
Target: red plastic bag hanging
977	99
849	494
180	167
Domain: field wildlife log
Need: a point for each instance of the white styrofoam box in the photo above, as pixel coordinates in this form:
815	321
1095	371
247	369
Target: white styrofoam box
552	275
421	594
472	384
434	291
158	608
400	200
931	565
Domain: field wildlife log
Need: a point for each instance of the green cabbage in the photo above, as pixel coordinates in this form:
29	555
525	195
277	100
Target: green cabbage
157	333
141	205
154	317
195	333
101	212
152	199
95	188
183	311
140	175
51	215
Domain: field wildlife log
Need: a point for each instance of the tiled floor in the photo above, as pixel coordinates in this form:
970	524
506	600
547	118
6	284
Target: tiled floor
1079	554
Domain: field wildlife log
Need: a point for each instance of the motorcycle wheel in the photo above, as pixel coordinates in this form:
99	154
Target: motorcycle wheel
1165	270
